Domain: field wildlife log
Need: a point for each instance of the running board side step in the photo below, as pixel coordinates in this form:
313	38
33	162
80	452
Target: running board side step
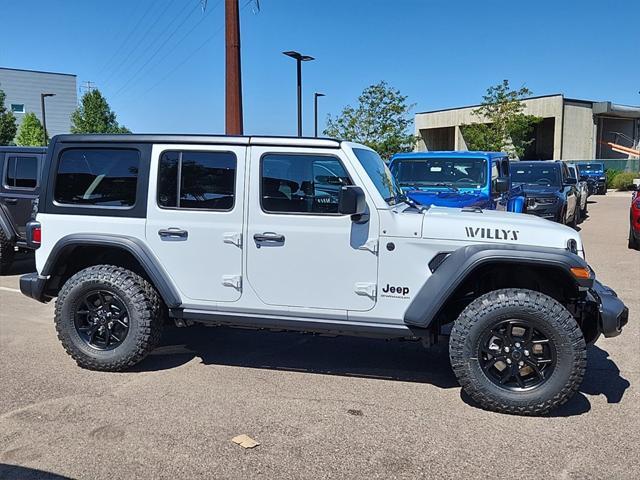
296	324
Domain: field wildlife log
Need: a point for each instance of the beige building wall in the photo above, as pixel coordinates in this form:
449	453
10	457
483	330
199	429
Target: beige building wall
546	107
578	139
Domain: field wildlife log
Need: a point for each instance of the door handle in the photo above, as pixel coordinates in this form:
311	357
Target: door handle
173	234
11	201
268	239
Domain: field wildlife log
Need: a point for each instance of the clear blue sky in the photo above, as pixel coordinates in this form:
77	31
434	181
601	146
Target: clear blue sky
439	53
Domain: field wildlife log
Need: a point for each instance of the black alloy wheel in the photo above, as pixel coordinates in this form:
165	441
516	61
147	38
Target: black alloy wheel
101	319
516	356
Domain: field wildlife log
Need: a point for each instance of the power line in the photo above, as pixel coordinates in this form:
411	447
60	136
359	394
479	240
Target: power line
140	42
169	37
126	40
189	32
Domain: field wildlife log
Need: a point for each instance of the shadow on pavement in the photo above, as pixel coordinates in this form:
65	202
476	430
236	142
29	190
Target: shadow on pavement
288	351
23	263
351	356
24	473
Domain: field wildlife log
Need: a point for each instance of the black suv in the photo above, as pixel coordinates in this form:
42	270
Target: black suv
20	168
550	190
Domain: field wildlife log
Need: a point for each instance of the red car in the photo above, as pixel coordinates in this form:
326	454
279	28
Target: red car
634	218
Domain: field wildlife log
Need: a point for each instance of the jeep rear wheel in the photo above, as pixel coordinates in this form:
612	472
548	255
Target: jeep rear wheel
7	252
518	351
108	318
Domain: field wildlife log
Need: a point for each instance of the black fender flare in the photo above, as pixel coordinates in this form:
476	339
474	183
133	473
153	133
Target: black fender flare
159	277
461	263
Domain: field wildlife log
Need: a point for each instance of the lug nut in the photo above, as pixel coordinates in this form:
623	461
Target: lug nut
521	364
506	349
509	361
517	344
526	353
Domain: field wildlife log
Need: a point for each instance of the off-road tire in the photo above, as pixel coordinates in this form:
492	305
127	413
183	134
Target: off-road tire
7	252
146	317
541	311
576	218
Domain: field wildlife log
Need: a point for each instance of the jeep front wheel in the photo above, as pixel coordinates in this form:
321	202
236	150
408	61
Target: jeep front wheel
518	351
108	318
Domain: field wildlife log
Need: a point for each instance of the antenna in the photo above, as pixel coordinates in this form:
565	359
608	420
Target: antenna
204	5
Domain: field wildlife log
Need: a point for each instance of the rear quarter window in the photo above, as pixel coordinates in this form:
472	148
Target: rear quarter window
101	177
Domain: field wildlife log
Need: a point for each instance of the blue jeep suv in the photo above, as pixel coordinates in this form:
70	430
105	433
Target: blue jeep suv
457	179
593	173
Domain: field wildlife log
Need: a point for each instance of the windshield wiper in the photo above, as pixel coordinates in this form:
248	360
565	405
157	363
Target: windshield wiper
448	185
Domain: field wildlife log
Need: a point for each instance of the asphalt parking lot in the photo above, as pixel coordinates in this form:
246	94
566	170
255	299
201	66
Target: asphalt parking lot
320	407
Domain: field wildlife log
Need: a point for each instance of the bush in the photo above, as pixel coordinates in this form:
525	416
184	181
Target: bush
611	174
623	181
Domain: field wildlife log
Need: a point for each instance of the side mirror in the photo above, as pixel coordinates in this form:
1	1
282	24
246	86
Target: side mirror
352	201
501	185
571	181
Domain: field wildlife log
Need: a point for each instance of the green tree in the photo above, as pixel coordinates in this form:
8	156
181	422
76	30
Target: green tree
31	132
8	125
381	121
95	116
502	124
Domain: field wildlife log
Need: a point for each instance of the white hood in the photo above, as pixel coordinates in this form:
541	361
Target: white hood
491	226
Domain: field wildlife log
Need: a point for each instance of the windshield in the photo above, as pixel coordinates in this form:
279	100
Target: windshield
545	175
379	174
590	167
453	172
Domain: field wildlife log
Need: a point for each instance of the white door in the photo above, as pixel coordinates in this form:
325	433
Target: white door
194	218
300	251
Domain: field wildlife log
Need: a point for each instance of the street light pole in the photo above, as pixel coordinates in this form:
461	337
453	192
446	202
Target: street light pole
44	115
299	59
315	112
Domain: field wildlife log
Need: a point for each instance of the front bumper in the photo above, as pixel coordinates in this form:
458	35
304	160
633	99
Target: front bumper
32	285
612	312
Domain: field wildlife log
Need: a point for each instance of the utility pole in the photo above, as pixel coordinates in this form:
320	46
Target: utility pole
233	85
88	86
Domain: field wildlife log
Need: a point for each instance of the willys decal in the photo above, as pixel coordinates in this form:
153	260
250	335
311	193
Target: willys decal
492	233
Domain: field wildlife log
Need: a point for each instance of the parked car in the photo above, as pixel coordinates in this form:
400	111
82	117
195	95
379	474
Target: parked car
593	173
138	230
20	170
549	189
582	187
457	179
634	220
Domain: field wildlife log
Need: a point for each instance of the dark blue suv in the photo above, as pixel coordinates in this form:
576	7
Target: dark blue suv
457	179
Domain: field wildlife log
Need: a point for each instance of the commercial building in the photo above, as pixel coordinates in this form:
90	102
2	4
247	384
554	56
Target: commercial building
570	129
24	87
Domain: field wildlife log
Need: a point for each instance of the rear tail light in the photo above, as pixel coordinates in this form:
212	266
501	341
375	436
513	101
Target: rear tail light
34	234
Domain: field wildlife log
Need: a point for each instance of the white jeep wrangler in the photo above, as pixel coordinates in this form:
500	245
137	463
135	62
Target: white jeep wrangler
310	235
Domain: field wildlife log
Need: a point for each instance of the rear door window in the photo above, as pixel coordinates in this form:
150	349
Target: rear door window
197	180
101	177
22	172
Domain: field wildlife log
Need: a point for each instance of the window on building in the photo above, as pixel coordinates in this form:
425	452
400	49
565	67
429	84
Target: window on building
17	107
199	180
22	172
301	183
105	177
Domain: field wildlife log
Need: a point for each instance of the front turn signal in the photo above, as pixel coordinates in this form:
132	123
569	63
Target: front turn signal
581	272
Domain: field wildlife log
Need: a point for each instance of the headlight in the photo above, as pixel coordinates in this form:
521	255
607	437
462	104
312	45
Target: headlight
603	178
540	201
